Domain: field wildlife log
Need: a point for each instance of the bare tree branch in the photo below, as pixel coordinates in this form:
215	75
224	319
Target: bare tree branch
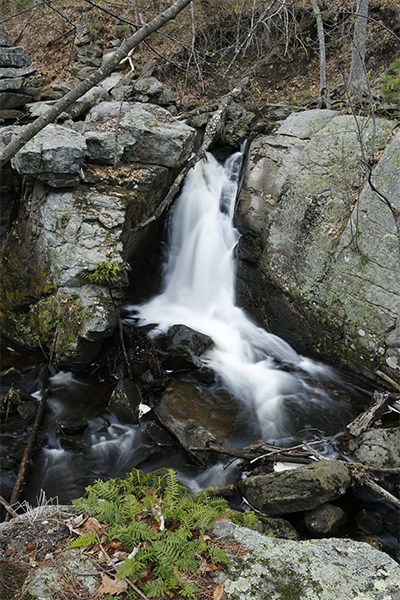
31	130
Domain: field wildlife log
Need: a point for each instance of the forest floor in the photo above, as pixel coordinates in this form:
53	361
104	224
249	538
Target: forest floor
212	44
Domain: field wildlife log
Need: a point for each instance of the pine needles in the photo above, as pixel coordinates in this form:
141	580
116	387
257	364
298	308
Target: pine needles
162	526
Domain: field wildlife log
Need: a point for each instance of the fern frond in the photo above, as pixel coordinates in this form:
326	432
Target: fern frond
130	535
160	587
217	555
189	590
88	539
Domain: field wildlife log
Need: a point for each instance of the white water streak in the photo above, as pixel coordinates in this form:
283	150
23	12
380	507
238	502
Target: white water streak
199	279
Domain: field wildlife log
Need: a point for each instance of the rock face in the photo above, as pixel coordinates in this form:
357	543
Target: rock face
82	240
310	570
14	68
136	132
319	255
55	156
299	489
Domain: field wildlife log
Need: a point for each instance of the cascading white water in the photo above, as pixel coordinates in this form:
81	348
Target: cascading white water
199	278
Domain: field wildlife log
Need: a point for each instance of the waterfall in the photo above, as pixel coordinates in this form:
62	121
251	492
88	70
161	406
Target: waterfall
263	372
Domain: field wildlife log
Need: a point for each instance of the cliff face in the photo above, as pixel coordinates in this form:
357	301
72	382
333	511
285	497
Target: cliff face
319	255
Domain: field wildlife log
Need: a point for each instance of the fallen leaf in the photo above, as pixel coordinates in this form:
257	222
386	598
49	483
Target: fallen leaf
218	593
222	518
111	586
209	568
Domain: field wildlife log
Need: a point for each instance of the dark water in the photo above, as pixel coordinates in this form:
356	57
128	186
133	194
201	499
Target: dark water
111	449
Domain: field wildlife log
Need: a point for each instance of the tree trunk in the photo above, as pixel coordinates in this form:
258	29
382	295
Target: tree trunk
358	76
31	130
324	100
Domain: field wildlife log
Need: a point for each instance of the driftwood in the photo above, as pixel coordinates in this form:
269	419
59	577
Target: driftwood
210	135
265	452
25	459
368	417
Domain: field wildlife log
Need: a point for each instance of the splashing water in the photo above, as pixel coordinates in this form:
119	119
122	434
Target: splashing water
199	279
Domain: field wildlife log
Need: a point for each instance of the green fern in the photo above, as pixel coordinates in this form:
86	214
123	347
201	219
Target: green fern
88	539
163	521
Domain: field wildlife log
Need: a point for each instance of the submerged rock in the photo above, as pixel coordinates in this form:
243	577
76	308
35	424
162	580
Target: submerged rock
298	489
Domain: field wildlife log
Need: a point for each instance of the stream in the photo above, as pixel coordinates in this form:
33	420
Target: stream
273	393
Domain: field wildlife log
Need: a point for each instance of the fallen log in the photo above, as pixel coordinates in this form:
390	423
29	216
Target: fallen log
25	459
213	128
369	416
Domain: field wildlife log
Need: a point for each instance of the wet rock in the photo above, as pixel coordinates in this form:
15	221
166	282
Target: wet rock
55	156
323	569
194	416
159	434
71	442
73	426
298	489
279	528
325	519
124	402
27	410
183	347
9	375
168	141
379	447
181	359
369	522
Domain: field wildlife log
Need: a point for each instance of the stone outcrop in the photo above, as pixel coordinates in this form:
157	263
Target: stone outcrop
136	132
63	269
319	258
55	156
14	69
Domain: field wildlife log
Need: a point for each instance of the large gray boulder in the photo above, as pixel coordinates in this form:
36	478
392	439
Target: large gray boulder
136	132
298	489
322	246
55	155
64	267
313	569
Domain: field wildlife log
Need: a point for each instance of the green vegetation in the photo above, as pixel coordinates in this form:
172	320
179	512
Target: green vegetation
163	523
390	89
106	272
